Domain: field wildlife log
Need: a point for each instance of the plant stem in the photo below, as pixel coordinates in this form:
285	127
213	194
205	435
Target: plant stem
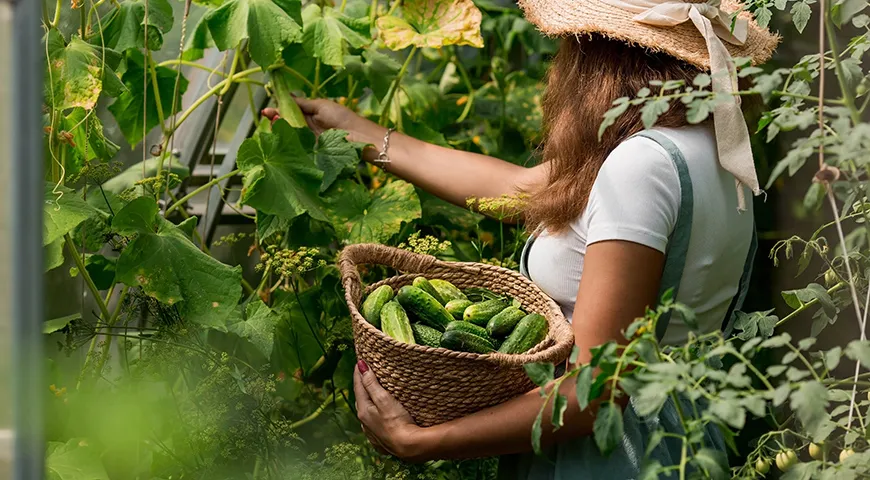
95	292
315	88
233	67
394	6
343	5
45	20
152	68
56	14
199	190
214	90
187	63
807	305
807	97
388	100
313	415
298	75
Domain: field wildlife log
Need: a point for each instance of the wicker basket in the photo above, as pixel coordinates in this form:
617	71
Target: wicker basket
434	384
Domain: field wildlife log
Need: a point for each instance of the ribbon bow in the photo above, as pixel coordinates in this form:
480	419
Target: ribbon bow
732	135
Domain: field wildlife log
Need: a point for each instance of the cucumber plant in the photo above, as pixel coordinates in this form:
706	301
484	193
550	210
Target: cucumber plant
230	372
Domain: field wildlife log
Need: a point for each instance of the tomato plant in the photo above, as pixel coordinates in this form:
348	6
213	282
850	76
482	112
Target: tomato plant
235	370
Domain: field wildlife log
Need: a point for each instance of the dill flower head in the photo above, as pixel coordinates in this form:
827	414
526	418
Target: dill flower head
427	245
505	206
286	262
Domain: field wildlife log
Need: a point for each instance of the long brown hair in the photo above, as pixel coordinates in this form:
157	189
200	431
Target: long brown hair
586	76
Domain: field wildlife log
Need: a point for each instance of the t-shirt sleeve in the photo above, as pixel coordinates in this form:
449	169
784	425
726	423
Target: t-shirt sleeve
636	196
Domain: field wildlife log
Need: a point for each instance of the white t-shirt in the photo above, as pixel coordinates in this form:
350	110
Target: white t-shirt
636	197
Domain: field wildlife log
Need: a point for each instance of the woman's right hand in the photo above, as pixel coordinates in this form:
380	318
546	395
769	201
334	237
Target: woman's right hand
322	115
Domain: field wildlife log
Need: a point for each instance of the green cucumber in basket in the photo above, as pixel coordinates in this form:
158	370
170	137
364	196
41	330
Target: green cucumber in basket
425	307
457	307
503	323
531	330
480	294
470	328
447	290
480	313
463	341
426	286
371	307
426	335
395	323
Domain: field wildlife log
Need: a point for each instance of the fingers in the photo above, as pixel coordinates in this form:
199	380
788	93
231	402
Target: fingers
308	107
363	401
380	397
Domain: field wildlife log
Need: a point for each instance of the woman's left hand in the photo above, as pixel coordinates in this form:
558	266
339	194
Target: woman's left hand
386	423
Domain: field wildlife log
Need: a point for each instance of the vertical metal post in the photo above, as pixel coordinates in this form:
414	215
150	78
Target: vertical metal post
23	203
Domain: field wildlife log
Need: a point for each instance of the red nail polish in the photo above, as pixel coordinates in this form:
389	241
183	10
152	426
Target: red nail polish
361	365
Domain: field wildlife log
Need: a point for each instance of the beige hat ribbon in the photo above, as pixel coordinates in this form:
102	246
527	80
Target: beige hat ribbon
732	135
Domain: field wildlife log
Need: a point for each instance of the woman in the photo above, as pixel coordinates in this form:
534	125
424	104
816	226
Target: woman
617	221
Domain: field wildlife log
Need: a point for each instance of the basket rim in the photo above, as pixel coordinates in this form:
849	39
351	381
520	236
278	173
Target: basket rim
559	340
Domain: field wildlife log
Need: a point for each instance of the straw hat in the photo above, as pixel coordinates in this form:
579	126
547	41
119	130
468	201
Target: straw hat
683	41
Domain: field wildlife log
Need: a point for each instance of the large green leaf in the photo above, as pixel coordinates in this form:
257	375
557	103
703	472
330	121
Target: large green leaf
379	69
258	326
433	24
333	154
198	42
63	210
138	101
53	254
359	217
328	33
124	27
269	26
282	85
810	402
280	177
77	73
169	267
74	460
608	427
298	336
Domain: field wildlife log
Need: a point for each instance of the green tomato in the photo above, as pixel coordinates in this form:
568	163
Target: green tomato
816	451
785	460
762	465
846	453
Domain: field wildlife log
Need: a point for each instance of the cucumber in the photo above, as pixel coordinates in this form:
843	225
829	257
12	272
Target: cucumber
426	335
470	328
447	290
371	307
531	330
395	323
457	307
480	313
425	307
426	286
503	323
463	341
480	294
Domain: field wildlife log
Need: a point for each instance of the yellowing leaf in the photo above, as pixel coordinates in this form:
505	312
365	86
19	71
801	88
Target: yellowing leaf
432	23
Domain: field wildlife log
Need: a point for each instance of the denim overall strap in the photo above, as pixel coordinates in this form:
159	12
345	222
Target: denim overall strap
743	288
678	243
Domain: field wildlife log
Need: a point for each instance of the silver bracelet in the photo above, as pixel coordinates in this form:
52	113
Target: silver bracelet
383	158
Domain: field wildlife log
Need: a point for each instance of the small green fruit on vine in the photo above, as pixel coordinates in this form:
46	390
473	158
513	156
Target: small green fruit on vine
762	465
846	453
831	278
816	451
785	460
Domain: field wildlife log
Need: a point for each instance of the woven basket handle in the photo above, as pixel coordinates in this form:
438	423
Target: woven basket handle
372	253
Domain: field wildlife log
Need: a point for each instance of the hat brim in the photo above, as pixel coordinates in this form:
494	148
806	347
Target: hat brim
575	17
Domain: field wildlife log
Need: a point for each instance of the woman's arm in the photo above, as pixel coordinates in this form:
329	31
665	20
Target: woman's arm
452	175
620	279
